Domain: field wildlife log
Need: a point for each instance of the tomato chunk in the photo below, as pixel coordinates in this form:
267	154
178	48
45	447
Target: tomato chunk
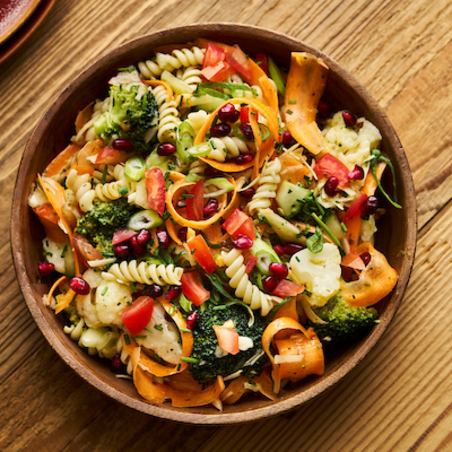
193	289
354	208
238	60
262	61
245	114
286	288
122	235
328	166
110	156
239	223
202	254
213	55
250	263
228	339
137	316
195	201
155	187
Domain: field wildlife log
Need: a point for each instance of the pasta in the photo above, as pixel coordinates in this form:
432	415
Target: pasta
206	227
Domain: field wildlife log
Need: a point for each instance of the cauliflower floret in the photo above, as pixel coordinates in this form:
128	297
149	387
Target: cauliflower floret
60	255
162	336
111	298
85	303
349	146
319	272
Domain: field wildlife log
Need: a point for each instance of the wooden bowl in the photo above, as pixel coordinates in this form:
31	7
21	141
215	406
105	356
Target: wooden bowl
397	238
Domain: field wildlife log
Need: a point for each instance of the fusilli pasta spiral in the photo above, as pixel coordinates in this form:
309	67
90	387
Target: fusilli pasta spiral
244	288
168	115
227	147
268	184
144	273
87	132
80	185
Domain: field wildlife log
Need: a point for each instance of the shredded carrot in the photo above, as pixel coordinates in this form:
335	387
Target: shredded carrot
54	287
172	230
165	85
64	300
289	310
234	391
370	184
58	163
83	117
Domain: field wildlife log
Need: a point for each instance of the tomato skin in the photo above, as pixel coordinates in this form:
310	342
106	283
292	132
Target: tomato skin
228	339
155	187
202	254
286	288
219	72
330	166
262	61
238	60
354	208
193	289
137	316
122	235
110	156
239	223
213	55
250	263
195	203
245	114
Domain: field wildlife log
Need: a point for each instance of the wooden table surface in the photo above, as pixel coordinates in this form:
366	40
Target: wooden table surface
400	397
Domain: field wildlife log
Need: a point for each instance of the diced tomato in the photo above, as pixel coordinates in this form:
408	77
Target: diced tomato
155	187
238	60
193	289
239	223
110	156
250	263
213	56
202	254
122	235
195	201
49	219
137	316
354	208
286	288
262	61
329	165
245	114
85	251
221	71
228	339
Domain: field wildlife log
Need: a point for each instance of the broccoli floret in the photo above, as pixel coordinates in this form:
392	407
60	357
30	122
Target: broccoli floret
99	224
131	114
206	343
345	323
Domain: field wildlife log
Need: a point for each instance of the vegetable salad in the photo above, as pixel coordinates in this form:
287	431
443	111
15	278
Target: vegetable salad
209	229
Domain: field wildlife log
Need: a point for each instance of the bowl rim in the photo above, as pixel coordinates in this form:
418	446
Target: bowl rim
273	408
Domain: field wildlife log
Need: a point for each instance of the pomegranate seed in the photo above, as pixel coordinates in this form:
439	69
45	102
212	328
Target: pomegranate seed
244	158
220	130
324	110
369	206
79	286
122	144
210	208
165	149
279	249
269	284
287	138
349	118
45	268
359	124
242	242
228	113
138	248
155	291
209	171
330	186
144	236
366	258
278	270
163	239
348	274
248	193
247	131
182	234
122	251
192	319
173	292
116	364
292	248
356	174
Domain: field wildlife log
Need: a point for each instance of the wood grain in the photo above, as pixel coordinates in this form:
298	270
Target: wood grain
400	397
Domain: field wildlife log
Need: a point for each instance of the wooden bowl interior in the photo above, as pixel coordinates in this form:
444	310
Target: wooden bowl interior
397	234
